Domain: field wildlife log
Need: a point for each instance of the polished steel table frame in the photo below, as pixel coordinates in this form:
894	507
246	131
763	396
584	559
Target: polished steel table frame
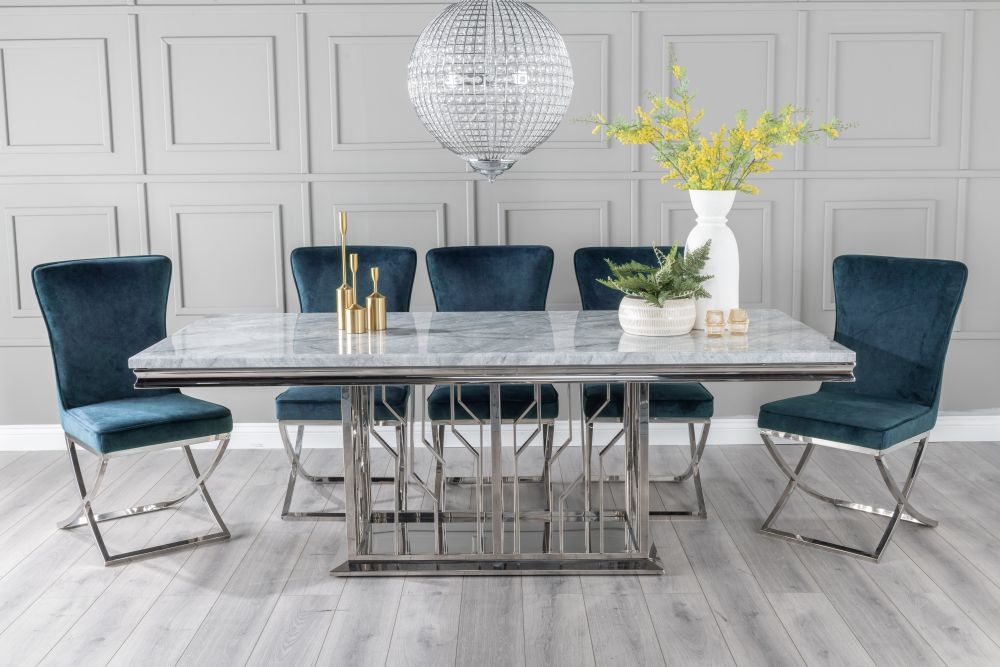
639	555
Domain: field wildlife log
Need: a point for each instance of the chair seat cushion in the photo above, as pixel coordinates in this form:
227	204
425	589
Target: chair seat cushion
303	404
854	419
128	423
666	401
514	400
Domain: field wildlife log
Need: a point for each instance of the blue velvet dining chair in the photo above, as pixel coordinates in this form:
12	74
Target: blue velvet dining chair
896	314
492	278
98	313
688	403
317	274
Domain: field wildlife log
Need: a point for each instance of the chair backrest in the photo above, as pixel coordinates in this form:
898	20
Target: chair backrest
479	278
896	314
317	275
589	265
100	312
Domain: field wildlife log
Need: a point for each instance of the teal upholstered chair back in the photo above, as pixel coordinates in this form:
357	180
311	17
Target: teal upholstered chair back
100	312
589	265
317	275
481	278
897	315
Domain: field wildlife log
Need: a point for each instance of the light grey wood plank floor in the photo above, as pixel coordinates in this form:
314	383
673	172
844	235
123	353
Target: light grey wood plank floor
728	595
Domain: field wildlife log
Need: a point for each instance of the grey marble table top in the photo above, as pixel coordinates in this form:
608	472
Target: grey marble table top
286	348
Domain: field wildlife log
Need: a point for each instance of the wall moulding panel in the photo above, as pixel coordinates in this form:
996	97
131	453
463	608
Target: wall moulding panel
225	133
906	218
601	46
360	116
65	106
564	215
899	76
220	93
46	223
984	94
405	213
979	315
906	228
229	245
708	45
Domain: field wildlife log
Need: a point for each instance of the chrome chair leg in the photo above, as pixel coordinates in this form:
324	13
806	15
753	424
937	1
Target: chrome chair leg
297	471
901	495
697	446
79	516
910	515
88	517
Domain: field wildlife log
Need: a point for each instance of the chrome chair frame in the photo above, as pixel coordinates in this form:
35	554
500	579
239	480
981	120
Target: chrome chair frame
903	511
697	448
294	452
85	515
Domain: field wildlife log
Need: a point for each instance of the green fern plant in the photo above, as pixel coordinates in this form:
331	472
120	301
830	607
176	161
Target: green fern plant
678	276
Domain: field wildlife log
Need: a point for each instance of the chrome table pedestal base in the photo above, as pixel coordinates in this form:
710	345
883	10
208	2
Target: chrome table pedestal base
389	567
563	534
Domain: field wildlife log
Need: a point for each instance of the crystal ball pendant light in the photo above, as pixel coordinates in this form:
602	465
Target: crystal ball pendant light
491	80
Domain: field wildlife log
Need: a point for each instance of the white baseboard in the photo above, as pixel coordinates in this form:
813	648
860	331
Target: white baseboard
955	427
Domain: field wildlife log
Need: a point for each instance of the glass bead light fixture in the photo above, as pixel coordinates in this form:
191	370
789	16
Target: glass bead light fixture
491	80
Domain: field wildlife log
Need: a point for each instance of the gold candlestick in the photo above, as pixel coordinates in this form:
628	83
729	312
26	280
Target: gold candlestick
345	293
356	316
376	304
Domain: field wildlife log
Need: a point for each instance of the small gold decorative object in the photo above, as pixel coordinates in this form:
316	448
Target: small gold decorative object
357	319
345	293
356	315
715	323
376	305
739	321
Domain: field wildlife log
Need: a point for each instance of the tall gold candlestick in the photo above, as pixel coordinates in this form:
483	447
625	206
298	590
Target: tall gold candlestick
345	293
356	315
376	304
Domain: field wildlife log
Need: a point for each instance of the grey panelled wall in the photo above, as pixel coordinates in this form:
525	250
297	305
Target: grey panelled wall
224	136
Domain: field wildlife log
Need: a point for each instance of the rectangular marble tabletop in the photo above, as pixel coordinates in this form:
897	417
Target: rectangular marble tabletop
277	349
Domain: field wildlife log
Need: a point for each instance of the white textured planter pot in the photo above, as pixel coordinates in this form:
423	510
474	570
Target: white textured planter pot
712	207
641	318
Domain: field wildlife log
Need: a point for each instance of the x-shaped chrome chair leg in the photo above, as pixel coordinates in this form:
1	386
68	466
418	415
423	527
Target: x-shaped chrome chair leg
85	514
903	510
297	470
697	446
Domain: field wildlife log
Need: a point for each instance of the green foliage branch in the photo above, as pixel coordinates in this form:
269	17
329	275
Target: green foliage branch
677	276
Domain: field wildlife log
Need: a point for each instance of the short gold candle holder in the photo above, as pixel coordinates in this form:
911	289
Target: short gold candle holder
356	316
739	322
715	323
345	293
357	319
376	305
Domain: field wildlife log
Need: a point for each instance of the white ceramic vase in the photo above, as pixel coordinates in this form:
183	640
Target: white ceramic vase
712	207
638	317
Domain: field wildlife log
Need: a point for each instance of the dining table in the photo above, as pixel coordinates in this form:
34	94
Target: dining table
507	523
